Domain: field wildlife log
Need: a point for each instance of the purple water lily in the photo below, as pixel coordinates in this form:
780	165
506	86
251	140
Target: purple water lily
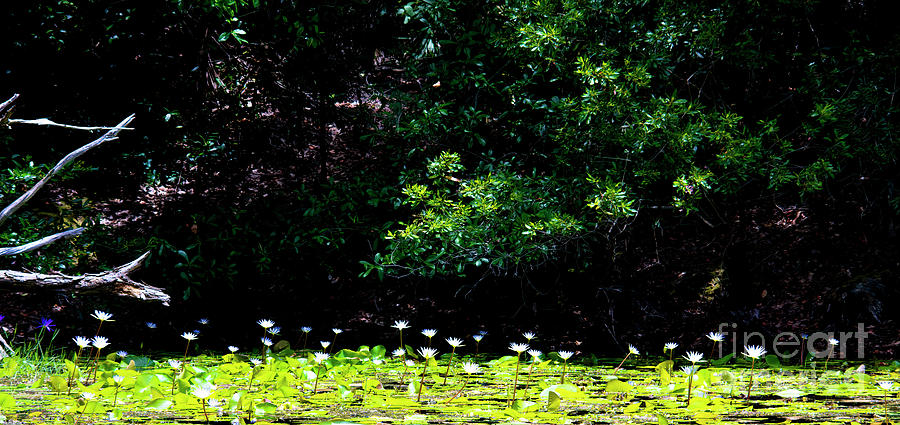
47	324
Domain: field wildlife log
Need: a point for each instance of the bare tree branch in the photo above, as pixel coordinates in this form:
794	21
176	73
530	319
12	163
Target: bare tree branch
109	135
114	281
4	113
45	121
13	250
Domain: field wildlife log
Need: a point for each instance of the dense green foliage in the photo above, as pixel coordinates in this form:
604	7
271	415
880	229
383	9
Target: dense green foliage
573	116
305	142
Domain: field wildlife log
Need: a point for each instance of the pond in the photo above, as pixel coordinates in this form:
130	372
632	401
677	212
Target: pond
370	386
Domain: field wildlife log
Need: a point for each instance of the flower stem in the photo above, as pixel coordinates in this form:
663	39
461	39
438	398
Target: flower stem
528	382
623	362
749	387
72	375
466	382
802	350
403	375
91	353
422	383
515	381
447	372
316	385
690	382
562	379
96	366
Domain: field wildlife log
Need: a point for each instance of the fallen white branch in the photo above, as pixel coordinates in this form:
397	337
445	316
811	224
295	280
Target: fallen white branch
109	135
116	281
45	121
31	246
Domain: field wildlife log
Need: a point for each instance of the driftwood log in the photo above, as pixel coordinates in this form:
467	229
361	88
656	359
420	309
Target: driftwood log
115	281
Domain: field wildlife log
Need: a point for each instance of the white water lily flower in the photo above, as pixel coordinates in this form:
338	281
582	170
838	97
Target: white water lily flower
477	337
528	335
671	346
337	330
409	363
265	323
150	325
398	352
633	350
190	336
693	357
88	395
689	370
256	362
203	321
518	348
100	342
427	352
754	351
274	330
886	385
81	341
266	341
118	379
232	348
320	357
122	354
471	368
174	364
430	333
306	329
324	344
400	324
833	342
455	342
716	336
203	390
102	316
565	354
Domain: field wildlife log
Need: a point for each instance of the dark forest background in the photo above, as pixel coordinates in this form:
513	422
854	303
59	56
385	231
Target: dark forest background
600	172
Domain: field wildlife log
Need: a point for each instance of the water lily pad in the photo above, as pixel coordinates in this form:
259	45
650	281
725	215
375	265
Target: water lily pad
791	393
7	401
617	386
159	404
553	400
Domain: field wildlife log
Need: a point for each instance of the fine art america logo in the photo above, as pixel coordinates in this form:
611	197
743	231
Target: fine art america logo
791	344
